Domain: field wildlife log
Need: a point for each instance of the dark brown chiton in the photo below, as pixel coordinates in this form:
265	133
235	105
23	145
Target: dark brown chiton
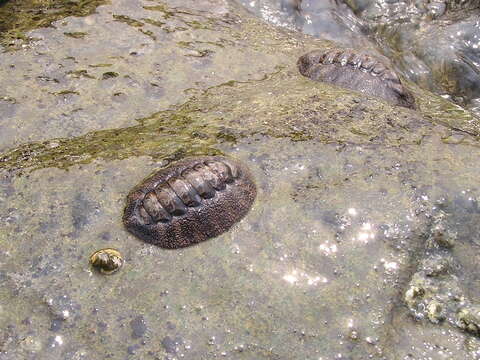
356	71
190	201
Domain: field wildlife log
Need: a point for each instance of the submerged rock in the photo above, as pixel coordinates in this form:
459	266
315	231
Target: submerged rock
436	290
346	186
434	43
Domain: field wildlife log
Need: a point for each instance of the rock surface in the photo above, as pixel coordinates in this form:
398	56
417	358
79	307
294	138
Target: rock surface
347	189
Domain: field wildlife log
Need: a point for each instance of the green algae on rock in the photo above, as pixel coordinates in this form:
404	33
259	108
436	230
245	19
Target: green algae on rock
17	17
230	111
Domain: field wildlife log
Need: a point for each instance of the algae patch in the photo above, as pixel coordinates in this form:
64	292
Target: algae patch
164	136
230	111
17	17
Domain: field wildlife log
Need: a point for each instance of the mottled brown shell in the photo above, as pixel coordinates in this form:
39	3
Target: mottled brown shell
107	261
356	71
190	201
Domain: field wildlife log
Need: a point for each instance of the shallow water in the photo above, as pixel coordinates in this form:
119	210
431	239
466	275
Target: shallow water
328	20
349	189
433	43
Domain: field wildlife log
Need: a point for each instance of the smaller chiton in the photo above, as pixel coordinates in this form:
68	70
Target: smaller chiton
190	201
356	71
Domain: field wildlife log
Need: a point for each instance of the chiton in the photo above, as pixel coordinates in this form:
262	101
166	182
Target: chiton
190	201
356	71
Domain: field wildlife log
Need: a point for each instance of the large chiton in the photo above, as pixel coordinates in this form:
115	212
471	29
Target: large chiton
356	71
190	201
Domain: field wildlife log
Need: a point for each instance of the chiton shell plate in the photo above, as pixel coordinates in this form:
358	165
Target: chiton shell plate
190	201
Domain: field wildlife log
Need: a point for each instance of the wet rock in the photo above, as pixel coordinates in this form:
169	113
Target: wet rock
56	325
443	236
435	290
109	75
83	211
435	311
345	190
469	319
132	349
169	345
139	327
436	265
